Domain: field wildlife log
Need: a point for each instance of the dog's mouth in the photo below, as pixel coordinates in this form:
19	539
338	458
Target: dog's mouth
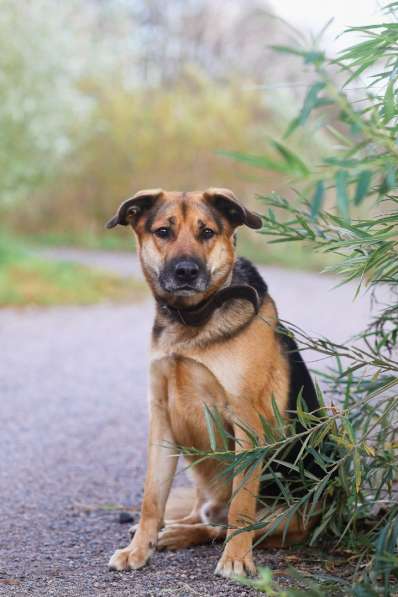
174	289
185	290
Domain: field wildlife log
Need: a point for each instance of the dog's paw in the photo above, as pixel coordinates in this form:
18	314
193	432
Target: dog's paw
129	558
229	567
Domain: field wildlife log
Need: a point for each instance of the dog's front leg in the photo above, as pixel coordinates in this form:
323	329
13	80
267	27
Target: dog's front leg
162	462
237	558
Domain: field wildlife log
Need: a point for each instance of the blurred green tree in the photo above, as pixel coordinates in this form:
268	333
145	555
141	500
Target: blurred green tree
40	98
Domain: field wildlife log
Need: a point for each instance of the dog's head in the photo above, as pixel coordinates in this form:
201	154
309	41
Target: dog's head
185	240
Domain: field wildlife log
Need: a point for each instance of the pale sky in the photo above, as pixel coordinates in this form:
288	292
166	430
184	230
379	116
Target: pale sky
311	15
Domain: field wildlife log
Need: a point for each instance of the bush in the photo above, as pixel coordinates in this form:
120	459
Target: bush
347	206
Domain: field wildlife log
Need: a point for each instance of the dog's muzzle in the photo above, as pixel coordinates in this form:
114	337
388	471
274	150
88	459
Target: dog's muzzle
184	276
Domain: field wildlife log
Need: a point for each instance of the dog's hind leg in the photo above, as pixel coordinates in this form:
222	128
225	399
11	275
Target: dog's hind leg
180	536
183	507
187	529
205	524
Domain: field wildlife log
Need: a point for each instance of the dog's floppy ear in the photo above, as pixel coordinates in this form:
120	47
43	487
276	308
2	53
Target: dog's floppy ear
131	209
237	214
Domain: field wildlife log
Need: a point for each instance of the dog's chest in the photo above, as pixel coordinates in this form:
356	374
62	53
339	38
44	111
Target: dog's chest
238	366
215	369
228	369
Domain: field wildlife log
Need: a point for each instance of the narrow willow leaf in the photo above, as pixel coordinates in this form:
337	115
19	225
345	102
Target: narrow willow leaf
277	413
258	161
296	164
341	194
293	125
319	395
389	102
357	470
310	102
287	50
268	429
317	199
364	66
370	451
349	429
314	57
321	527
391	178
250	433
318	458
210	427
362	187
220	427
342	162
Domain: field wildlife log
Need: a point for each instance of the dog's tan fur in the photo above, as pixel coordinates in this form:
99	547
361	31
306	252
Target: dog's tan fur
234	362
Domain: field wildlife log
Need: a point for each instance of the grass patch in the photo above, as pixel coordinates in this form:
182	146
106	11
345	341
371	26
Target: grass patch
27	280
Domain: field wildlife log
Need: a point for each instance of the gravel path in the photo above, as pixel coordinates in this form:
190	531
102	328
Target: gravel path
73	433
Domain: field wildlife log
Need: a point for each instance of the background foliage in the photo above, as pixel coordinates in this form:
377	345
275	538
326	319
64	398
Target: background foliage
100	99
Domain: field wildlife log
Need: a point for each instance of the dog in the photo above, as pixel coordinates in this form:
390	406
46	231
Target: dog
215	342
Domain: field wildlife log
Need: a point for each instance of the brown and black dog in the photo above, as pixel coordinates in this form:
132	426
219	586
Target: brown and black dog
215	342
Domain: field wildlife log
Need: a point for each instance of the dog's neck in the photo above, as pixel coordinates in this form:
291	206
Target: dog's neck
200	314
234	307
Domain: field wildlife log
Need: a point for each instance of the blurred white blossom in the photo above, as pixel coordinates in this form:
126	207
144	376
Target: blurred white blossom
47	49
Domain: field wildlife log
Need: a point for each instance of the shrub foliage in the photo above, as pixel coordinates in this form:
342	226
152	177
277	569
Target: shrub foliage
346	205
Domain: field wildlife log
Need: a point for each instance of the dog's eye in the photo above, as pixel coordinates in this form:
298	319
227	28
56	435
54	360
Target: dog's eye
162	232
207	233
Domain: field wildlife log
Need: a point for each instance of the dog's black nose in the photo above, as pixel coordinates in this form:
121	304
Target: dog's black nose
186	271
